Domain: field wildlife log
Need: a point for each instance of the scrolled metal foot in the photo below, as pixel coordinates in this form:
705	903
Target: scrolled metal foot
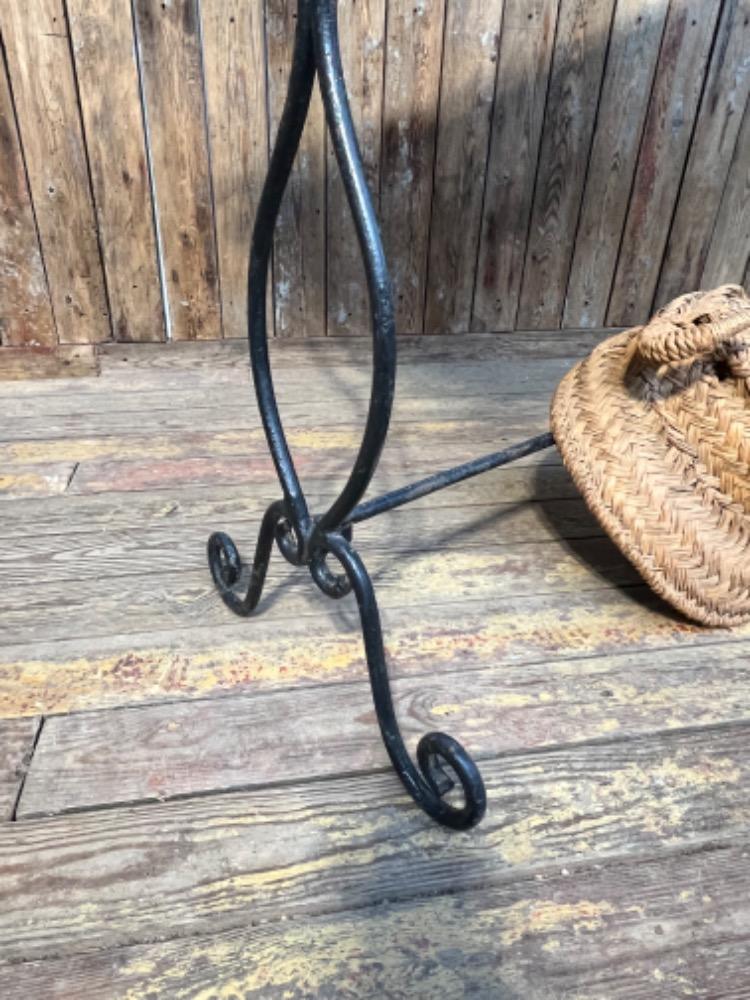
225	563
438	755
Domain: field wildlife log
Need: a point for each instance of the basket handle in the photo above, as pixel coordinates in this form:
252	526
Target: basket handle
701	326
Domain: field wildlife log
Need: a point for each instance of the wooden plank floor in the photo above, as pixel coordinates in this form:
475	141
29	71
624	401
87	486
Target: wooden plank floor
198	806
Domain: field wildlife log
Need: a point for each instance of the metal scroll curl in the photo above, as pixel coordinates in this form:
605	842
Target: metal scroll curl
442	763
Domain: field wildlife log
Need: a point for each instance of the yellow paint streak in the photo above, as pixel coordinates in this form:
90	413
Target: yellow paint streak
312	959
28	686
543	917
31	482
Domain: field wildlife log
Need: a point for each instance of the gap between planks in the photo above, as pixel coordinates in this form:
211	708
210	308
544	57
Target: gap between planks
148	873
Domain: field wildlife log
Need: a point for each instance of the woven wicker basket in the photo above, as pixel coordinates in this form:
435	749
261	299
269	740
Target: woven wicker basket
654	427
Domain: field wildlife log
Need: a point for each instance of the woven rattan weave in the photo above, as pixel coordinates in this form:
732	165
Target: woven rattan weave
654	427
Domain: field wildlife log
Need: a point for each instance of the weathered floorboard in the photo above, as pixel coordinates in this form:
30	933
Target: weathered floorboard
613	734
508	493
17	738
631	929
36	480
174	544
104	879
184	748
181	656
62	361
157	590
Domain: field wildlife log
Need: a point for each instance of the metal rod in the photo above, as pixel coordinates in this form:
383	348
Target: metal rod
308	541
294	115
439	481
346	148
428	783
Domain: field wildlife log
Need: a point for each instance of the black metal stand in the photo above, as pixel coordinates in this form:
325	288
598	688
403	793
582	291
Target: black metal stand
308	540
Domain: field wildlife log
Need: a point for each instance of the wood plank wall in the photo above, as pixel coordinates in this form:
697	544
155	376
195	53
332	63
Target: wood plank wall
537	164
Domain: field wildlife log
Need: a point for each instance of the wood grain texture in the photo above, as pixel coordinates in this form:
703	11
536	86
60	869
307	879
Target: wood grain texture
332	443
156	752
63	361
467	90
124	876
730	242
174	656
711	150
685	49
17	738
26	317
629	929
526	43
299	257
320	352
633	50
36	480
80	553
170	411
169	45
234	66
362	33
37	48
509	493
448	577
104	49
105	475
575	82
410	105
513	189
613	735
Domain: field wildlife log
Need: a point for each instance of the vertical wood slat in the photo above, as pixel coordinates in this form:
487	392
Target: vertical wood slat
104	50
526	44
467	89
299	256
169	42
729	251
577	66
234	66
710	157
685	224
628	76
25	307
362	31
412	83
679	79
41	72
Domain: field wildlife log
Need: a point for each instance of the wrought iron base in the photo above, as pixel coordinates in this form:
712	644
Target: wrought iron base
310	540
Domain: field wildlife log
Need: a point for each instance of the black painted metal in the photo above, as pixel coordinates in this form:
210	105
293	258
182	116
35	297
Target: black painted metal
422	488
309	541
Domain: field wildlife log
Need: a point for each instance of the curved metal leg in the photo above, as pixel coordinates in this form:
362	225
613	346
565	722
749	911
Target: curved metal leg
226	565
429	783
341	128
301	538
